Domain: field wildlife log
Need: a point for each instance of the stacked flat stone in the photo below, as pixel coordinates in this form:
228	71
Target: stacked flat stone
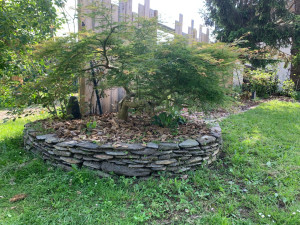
132	160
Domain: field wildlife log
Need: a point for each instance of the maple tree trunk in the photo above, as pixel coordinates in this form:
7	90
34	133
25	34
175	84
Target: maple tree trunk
123	112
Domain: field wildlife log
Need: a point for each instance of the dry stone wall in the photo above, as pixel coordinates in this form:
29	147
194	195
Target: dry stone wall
132	160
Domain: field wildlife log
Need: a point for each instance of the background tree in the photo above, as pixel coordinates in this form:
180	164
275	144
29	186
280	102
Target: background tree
23	23
257	21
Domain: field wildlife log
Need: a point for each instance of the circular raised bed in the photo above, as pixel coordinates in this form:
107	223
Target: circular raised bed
133	160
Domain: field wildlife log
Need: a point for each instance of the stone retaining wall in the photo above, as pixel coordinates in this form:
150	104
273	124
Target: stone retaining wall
125	159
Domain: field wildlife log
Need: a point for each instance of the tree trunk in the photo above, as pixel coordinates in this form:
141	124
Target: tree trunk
123	112
295	71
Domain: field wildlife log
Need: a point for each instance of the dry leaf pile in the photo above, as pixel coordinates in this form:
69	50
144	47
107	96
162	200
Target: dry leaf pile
138	128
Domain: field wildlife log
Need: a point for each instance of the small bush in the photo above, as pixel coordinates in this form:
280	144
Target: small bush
264	83
288	89
171	120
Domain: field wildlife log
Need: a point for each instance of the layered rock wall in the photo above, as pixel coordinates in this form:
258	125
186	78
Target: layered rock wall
132	160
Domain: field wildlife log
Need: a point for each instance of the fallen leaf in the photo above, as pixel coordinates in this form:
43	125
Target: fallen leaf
18	197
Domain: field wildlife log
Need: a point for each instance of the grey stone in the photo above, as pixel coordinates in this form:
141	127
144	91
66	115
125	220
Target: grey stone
184	169
116	153
70	160
162	168
152	145
205	140
106	146
189	144
124	170
147	151
216	152
44	137
131	147
216	131
149	158
173	168
90	159
168	146
165	162
193	148
52	140
184	158
181	152
158	153
195	164
152	165
78	156
60	148
88	145
61	153
136	166
67	144
103	157
141	161
118	162
163	157
197	152
128	157
77	151
194	160
94	165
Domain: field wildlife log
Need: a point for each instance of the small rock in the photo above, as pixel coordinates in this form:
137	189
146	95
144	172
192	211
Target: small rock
103	157
194	160
52	140
116	153
124	170
205	140
165	162
44	137
94	165
131	147
164	157
88	145
189	143
67	144
152	145
168	146
216	131
147	151
70	160
61	153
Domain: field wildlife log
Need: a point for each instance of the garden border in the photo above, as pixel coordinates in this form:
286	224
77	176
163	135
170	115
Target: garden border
132	160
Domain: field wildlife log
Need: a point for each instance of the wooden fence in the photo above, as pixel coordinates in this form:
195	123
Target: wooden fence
123	12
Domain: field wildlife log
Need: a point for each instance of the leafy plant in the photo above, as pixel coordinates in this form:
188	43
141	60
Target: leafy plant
288	88
262	82
91	125
168	120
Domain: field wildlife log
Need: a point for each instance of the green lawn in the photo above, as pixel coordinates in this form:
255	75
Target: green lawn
256	182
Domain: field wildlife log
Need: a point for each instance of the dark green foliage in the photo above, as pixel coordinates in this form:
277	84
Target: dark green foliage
171	120
257	21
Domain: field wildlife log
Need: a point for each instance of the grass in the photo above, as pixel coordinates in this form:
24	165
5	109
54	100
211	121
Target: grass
256	182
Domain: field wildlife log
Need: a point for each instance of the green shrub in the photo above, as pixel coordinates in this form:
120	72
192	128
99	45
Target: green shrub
288	89
171	120
263	83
